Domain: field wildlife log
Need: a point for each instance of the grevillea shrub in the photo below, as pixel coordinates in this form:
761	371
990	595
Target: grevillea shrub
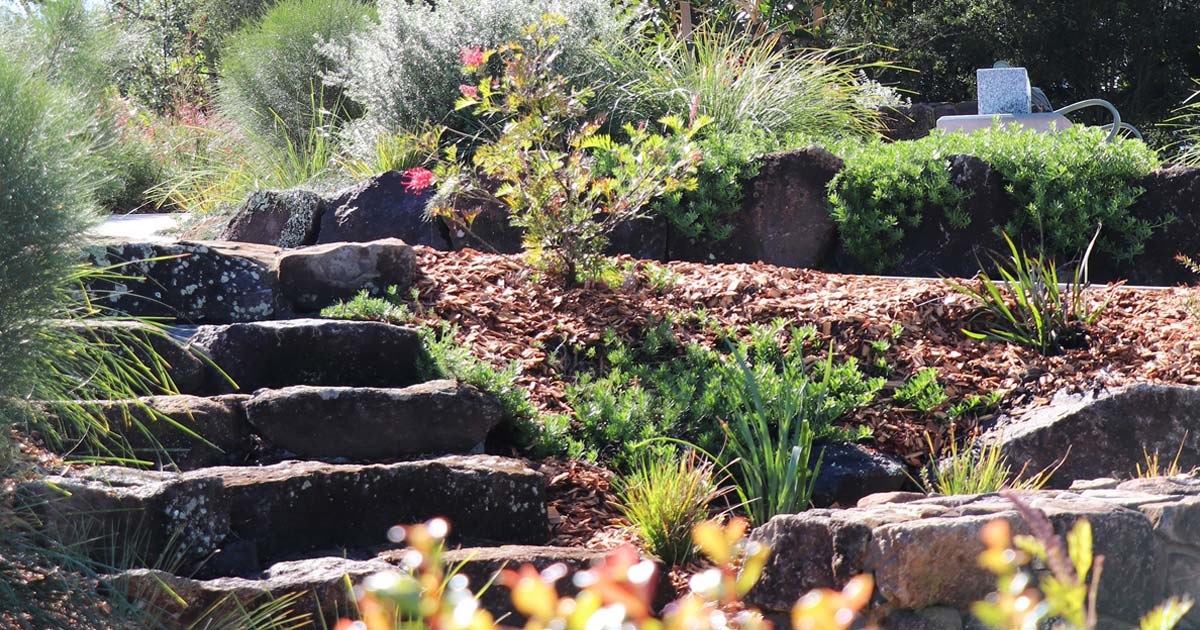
563	181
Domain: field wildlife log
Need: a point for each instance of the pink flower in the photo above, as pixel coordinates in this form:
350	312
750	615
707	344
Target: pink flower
471	57
417	179
469	91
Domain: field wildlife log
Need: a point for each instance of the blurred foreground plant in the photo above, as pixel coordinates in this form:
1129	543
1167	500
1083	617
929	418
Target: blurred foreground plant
1065	593
615	593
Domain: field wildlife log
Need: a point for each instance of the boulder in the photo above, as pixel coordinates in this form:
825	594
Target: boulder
199	282
374	424
935	247
294	507
287	218
315	277
908	122
311	352
109	511
850	472
1169	191
785	216
318	586
378	208
489	231
185	431
1106	436
923	553
183	366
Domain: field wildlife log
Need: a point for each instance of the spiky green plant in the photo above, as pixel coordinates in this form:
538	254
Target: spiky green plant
1028	306
665	497
740	80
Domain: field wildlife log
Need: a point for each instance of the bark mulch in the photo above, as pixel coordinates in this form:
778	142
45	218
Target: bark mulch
505	313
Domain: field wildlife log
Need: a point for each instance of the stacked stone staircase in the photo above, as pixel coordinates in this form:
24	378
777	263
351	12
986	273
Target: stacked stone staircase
318	437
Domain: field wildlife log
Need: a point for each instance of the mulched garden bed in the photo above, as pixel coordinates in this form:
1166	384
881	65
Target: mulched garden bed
505	313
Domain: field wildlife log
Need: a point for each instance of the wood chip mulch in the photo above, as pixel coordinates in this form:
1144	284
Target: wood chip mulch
505	313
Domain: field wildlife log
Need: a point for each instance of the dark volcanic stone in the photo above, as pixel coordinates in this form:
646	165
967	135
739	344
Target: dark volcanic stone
380	208
287	218
374	424
311	352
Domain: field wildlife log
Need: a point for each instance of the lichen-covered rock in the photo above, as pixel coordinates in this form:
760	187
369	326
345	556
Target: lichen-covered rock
311	352
315	277
287	218
1105	436
199	282
293	507
153	514
374	424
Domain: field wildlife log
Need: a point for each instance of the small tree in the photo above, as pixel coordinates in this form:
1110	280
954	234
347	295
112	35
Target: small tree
565	183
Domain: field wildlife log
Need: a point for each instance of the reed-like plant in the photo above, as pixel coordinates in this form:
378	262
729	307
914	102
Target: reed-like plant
742	81
665	498
977	467
1028	305
769	440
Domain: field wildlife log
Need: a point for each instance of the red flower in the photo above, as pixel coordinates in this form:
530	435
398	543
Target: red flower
417	179
469	91
471	57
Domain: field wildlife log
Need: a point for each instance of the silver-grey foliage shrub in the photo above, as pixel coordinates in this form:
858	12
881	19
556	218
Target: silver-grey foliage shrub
406	70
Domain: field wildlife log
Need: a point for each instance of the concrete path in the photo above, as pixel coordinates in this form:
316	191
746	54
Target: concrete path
138	227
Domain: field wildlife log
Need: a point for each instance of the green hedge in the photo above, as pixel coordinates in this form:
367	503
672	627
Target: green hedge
1062	185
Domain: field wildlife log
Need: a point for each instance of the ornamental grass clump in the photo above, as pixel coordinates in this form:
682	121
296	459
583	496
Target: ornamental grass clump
566	184
665	497
1028	306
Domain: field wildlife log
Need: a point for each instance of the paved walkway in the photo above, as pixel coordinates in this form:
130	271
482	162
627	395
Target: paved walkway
139	227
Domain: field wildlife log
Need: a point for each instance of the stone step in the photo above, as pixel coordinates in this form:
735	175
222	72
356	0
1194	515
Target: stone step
278	354
222	282
199	282
247	516
374	424
185	367
319	584
219	434
317	587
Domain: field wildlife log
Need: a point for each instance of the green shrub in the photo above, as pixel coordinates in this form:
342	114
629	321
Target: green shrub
523	425
728	161
47	181
922	391
662	389
405	70
665	497
364	306
565	184
272	70
743	82
1062	186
